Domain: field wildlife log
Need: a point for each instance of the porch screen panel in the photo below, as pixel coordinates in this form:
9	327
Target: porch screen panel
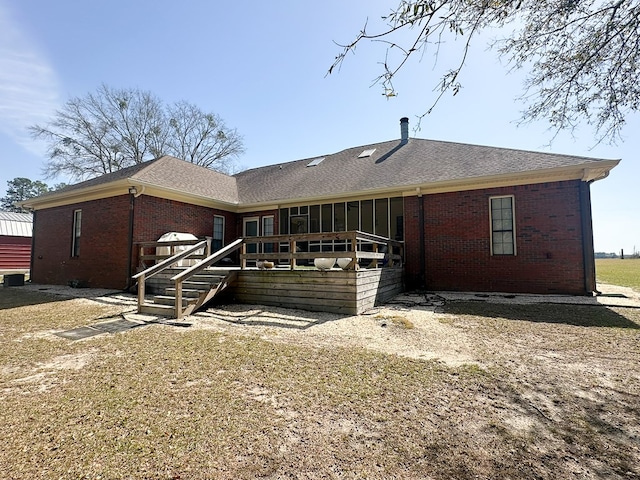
327	217
366	216
353	216
314	219
382	217
396	222
340	217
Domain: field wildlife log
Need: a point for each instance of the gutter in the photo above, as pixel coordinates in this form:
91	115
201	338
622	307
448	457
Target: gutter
586	224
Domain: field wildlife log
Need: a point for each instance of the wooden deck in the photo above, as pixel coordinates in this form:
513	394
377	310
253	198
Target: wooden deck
349	292
373	274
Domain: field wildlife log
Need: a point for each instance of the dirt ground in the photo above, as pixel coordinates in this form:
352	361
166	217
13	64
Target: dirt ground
521	388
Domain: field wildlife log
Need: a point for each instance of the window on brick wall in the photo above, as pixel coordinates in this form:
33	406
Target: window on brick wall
218	233
502	225
267	231
77	228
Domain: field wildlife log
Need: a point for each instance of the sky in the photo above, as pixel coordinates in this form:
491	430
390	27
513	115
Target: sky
262	67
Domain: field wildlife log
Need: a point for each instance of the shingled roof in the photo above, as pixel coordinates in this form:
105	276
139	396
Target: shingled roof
175	174
394	164
166	173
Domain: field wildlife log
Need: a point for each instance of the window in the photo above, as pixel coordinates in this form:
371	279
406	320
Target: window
502	226
382	216
218	233
267	231
77	228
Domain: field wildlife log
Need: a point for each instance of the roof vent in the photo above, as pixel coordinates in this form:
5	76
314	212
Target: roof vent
404	129
367	153
315	162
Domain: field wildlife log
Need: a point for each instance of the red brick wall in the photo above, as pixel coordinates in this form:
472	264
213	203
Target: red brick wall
104	242
457	241
156	216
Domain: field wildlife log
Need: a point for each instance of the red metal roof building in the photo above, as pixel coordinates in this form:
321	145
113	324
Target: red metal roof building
15	242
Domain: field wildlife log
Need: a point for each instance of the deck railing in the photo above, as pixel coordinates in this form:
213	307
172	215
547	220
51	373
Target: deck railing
290	250
142	277
148	251
193	270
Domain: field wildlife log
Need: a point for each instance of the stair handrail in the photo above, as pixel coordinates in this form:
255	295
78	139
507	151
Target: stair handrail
198	267
157	268
211	259
166	263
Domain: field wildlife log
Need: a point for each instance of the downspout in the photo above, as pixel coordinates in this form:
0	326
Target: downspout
586	221
33	244
132	202
423	265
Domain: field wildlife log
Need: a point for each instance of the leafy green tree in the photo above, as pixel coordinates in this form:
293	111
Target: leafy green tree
19	189
111	129
582	58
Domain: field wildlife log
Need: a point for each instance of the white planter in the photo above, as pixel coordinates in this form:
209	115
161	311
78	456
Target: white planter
343	262
324	263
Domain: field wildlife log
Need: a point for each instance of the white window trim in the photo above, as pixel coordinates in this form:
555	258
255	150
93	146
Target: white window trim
513	225
246	220
76	232
224	226
273	223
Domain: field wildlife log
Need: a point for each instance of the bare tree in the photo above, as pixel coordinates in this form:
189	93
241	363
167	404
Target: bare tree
111	129
202	138
582	57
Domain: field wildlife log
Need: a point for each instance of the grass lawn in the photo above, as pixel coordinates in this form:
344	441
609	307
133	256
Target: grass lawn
616	271
550	393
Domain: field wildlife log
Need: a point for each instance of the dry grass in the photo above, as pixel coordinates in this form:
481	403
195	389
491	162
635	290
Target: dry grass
397	320
616	271
553	398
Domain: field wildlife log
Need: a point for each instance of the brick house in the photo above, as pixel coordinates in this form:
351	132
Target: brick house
472	218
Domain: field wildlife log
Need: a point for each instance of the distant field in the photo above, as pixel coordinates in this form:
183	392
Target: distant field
615	271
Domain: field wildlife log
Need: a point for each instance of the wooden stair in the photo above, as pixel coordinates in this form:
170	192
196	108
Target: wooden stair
196	292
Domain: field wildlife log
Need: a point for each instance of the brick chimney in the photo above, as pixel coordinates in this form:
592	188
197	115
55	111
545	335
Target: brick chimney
404	130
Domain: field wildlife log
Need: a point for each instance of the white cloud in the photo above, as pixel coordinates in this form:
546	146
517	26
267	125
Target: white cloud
28	83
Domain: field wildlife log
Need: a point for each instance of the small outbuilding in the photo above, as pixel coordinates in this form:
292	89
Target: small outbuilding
15	242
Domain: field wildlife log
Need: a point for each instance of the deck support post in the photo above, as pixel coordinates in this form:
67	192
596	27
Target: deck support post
141	281
178	304
292	251
354	250
374	263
